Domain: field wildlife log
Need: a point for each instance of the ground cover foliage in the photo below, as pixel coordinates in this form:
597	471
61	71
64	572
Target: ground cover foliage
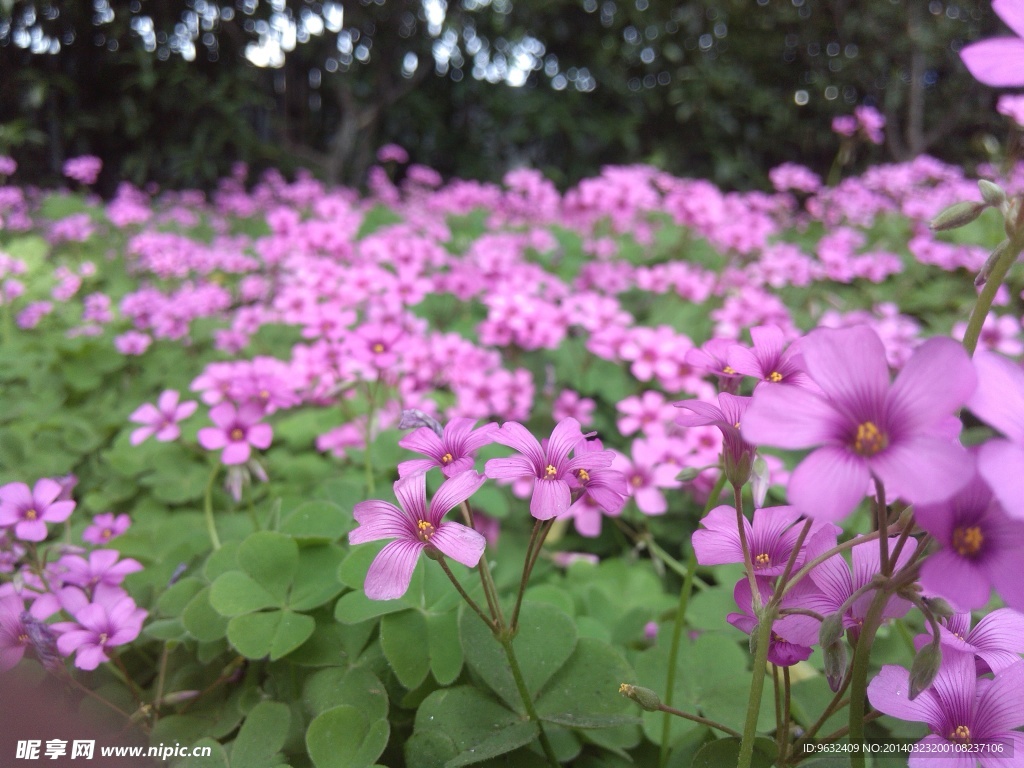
231	373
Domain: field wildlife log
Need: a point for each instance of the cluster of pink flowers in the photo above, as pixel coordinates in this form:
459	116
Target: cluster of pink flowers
70	602
84	169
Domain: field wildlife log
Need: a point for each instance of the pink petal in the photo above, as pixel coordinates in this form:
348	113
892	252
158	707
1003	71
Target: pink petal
415	467
90	656
1001	463
934	383
650	501
1012	14
516	436
223	415
260	435
510	468
145	414
999	398
829	483
955	578
379	520
719	542
847	363
551	498
462	544
452	493
236	453
391	571
168	401
59	511
212	438
923	470
423	440
1002	704
890	693
45	491
412	496
250	412
788	417
31	530
998	61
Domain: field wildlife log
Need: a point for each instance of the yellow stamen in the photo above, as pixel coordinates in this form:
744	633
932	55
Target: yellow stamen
424	530
550	471
378	347
761	560
636	481
106	533
962	734
447	459
967	541
583	475
103	638
775	377
869	439
237	435
23	639
729	370
31	514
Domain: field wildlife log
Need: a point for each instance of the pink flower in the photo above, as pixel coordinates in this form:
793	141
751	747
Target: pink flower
999	61
237	432
550	466
112	619
104	566
646	474
570	404
452	451
415	527
106	527
84	169
161	419
901	433
30	511
13	637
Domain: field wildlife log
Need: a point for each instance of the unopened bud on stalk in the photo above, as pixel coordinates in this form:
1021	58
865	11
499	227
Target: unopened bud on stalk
991	192
957	215
831	630
689	473
990	263
835	664
925	668
938	607
412	418
645	697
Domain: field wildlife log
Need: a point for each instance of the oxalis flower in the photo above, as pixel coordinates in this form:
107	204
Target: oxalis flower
452	451
415	528
960	710
902	434
28	511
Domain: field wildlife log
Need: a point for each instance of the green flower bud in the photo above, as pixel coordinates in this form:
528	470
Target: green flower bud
939	607
835	664
688	473
991	192
957	215
990	263
645	697
831	630
925	668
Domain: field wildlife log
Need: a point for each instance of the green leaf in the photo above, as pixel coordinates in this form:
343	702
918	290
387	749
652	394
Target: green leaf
377	217
358	687
262	735
477	726
546	640
443	647
173	601
216	759
271	559
235	593
355	608
401	639
724	752
201	620
272	633
317	522
342	737
316	580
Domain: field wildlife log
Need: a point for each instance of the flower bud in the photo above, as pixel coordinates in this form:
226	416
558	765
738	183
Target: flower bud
939	607
831	630
835	664
760	480
991	192
737	469
688	473
645	697
412	418
957	215
925	668
990	263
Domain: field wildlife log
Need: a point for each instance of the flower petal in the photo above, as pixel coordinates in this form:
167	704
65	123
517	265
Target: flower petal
935	382
829	483
551	498
378	520
515	435
998	61
1001	463
460	543
391	571
412	496
789	417
999	398
889	692
1001	705
453	492
923	469
847	363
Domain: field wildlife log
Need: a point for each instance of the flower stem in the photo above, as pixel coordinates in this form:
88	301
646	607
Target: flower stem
524	694
882	517
748	562
540	532
698	719
208	508
764	638
465	595
677	628
988	294
859	673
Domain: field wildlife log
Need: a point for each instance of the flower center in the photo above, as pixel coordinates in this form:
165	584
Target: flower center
774	377
636	481
31	514
967	541
761	560
550	471
729	370
962	734
447	459
237	435
583	475
23	638
103	638
264	394
424	530
378	347
106	533
869	439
